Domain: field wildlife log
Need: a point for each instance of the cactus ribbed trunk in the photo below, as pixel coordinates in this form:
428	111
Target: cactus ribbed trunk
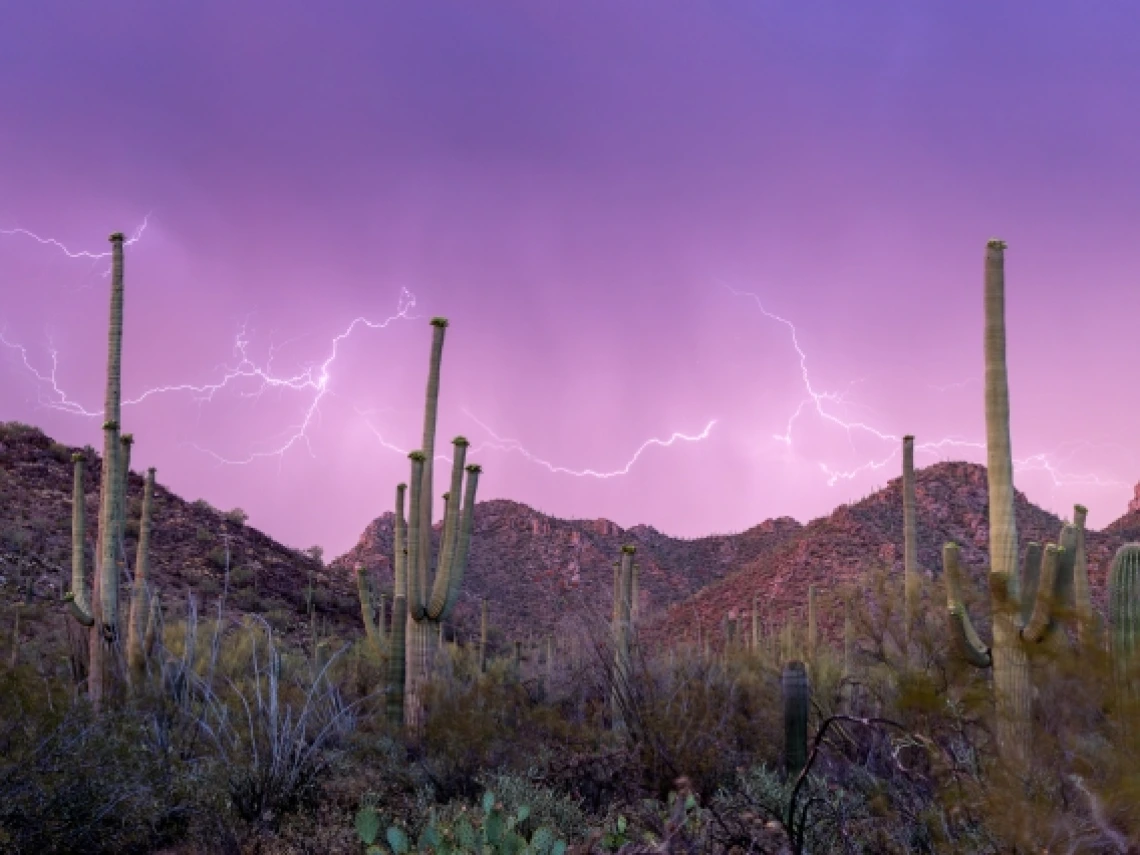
421	641
1010	659
125	443
104	631
910	550
796	692
1124	620
397	665
140	596
623	591
1087	628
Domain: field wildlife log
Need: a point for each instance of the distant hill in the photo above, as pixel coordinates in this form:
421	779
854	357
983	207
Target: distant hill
539	573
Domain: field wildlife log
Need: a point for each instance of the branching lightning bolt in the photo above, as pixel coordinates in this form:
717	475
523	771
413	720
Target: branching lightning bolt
70	253
817	399
508	444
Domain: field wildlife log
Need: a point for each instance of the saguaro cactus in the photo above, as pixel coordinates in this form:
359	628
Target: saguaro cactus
622	631
1124	617
141	599
101	612
397	665
77	599
910	547
423	612
371	611
1020	618
797	695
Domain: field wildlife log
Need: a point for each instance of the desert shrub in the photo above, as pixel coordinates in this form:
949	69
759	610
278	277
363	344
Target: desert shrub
245	600
72	783
237	516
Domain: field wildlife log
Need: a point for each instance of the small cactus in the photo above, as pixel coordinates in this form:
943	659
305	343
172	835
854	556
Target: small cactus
797	695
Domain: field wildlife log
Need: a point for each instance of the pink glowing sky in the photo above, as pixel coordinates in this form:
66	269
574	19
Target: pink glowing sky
577	186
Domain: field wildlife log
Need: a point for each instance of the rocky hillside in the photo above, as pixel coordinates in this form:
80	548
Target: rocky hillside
542	574
188	541
836	552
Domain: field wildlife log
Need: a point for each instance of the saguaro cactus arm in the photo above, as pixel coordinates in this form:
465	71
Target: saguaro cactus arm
76	599
448	543
1040	621
964	636
373	632
458	564
139	598
417	585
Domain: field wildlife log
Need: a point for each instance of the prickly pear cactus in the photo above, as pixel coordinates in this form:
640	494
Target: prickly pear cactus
494	833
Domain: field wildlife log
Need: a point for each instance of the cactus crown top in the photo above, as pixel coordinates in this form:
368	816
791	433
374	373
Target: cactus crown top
629	549
439	322
401	487
460	440
447	495
417	456
77	457
150	470
949	545
116	237
908	438
995	243
474	468
127	438
111	425
1080	509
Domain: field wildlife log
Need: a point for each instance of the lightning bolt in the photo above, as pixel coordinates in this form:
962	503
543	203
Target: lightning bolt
508	444
70	253
817	401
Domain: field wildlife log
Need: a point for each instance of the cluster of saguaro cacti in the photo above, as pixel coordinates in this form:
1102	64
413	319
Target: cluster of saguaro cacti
100	610
1124	617
622	632
1023	614
797	698
419	603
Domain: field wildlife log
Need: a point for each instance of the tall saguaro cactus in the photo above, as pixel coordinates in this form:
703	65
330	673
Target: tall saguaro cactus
797	700
101	613
430	601
910	548
622	632
1020	618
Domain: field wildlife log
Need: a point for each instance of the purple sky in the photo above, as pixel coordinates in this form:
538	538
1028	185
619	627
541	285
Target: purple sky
578	186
